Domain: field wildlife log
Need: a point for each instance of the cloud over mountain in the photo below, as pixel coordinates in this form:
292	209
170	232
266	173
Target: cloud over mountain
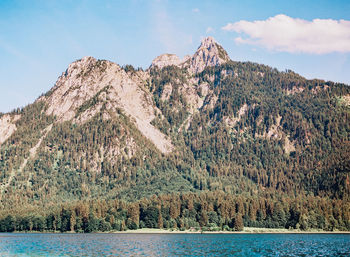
287	34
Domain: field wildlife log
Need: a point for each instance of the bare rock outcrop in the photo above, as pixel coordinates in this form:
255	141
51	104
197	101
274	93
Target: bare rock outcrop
88	84
276	132
7	126
232	121
166	60
209	53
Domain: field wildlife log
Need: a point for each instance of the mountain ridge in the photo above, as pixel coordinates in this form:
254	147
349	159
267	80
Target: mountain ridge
204	125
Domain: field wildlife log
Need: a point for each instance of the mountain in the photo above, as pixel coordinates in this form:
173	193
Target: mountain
198	141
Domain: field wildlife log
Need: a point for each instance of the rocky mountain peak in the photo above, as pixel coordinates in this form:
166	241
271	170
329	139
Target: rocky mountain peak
90	86
165	60
209	53
81	64
207	42
169	59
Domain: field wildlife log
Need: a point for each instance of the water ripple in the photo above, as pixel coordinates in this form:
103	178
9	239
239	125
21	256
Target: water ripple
174	245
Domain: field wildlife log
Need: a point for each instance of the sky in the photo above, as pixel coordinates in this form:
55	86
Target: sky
39	39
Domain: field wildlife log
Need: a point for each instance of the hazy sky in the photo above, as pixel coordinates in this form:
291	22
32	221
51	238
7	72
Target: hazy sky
38	39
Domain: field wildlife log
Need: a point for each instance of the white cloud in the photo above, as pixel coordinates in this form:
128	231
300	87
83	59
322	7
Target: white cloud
209	30
286	34
195	10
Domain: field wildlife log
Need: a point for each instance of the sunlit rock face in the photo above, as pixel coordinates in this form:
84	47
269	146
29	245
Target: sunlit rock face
166	60
90	86
209	53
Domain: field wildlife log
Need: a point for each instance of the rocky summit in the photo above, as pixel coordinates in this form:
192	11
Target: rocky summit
209	53
195	141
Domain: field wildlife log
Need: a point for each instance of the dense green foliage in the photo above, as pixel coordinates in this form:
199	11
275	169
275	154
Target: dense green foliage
207	211
284	162
311	119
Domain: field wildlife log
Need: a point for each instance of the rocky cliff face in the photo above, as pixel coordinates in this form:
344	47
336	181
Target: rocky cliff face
7	126
209	53
166	60
90	86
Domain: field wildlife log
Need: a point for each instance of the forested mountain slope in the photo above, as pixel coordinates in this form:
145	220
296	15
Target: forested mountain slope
221	142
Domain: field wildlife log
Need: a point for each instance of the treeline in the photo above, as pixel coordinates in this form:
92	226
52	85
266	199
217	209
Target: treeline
207	211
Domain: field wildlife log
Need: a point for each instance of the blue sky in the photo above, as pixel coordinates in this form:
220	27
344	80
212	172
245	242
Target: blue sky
38	39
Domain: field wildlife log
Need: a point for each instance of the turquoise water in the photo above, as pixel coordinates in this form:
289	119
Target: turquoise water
174	244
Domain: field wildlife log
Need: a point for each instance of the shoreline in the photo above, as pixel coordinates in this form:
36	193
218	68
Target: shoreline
246	230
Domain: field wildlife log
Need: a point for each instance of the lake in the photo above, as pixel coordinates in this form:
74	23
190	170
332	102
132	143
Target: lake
13	244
